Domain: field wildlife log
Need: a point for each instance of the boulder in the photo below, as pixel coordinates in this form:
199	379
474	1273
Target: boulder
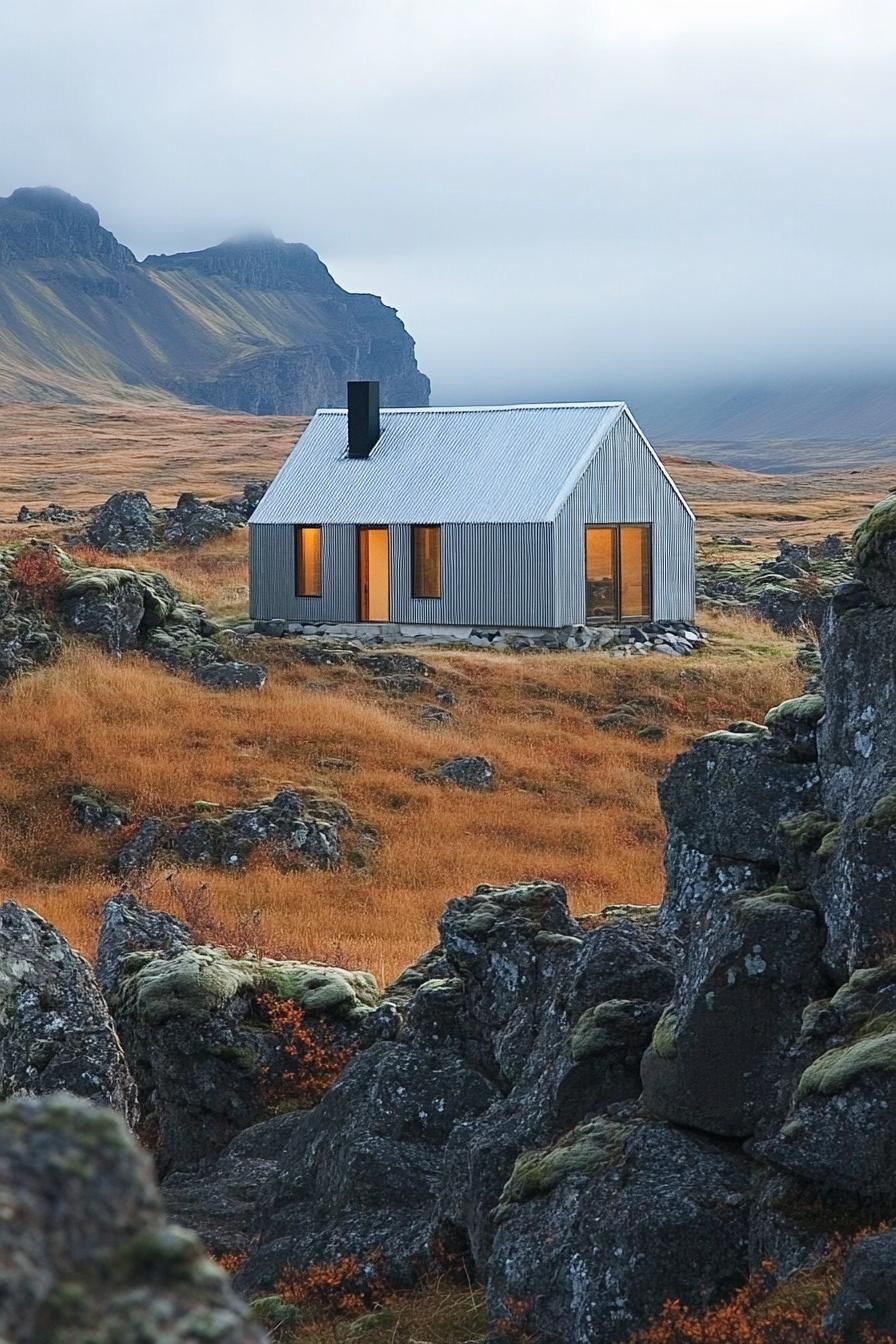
855	888
27	640
719	1053
468	772
857	736
230	675
727	794
87	1254
129	926
366	1169
864	1308
142	849
599	1231
360	1174
118	607
95	810
217	1042
596	1004
191	522
298	830
55	1029
839	1133
723	802
874	551
125	525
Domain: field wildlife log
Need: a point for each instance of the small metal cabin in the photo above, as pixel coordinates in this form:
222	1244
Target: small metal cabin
488	517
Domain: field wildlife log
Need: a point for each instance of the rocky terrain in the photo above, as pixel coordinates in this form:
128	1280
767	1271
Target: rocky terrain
617	1126
45	594
253	324
789	590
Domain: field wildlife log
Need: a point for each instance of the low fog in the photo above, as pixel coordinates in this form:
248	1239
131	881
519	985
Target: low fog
570	199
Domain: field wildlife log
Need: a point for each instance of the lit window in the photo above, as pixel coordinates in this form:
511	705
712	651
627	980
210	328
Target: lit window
308	561
427	561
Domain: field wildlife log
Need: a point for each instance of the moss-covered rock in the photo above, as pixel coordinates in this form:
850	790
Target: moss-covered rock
87	1255
589	1149
199	981
807	830
874	550
882	816
838	1069
796	721
663	1042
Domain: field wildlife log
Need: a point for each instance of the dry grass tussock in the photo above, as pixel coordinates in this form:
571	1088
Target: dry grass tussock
574	803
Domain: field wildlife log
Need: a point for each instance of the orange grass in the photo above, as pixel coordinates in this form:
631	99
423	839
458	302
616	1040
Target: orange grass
574	803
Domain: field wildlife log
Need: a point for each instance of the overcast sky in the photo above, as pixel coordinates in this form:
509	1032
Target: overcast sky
567	198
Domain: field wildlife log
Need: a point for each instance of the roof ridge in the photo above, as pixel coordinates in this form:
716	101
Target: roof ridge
453	410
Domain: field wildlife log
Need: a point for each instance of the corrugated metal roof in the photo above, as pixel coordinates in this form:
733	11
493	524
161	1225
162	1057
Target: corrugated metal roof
467	464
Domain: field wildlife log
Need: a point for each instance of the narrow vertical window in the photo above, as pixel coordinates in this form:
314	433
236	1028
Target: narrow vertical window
308	561
427	577
635	567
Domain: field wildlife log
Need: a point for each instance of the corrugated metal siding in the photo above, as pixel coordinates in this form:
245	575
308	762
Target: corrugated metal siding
492	574
451	465
625	484
272	569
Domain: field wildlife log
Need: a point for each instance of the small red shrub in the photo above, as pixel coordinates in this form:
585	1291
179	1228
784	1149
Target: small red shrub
37	572
348	1287
313	1060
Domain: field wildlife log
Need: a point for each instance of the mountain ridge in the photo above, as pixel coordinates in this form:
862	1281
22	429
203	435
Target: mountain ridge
252	324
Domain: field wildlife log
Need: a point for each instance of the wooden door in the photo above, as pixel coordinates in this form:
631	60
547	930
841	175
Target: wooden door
373	573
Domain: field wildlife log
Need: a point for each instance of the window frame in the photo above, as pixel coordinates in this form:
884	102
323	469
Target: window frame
617	618
416	576
299	567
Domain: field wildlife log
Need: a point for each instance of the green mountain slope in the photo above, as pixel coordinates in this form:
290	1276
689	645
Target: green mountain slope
253	325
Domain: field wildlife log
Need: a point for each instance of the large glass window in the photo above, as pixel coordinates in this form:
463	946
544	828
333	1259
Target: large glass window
618	566
427	566
308	546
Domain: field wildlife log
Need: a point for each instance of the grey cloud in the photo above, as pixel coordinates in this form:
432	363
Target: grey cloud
561	199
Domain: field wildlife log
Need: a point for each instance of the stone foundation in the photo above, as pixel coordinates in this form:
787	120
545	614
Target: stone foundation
669	637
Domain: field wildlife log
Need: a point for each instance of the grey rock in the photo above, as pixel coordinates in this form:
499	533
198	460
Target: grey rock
839	1133
597	1233
468	772
206	1056
865	1304
595	1001
55	1029
230	675
86	1251
754	780
125	525
362	1171
718	1061
96	811
113	616
192	523
129	926
142	849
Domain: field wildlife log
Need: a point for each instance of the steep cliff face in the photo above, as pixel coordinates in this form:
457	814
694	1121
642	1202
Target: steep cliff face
254	324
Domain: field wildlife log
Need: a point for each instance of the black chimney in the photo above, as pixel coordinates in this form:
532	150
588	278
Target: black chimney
363	418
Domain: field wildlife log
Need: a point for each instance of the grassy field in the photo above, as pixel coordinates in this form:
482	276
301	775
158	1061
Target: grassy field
574	802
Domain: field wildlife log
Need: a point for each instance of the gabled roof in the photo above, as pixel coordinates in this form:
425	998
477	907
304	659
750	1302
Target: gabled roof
464	464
